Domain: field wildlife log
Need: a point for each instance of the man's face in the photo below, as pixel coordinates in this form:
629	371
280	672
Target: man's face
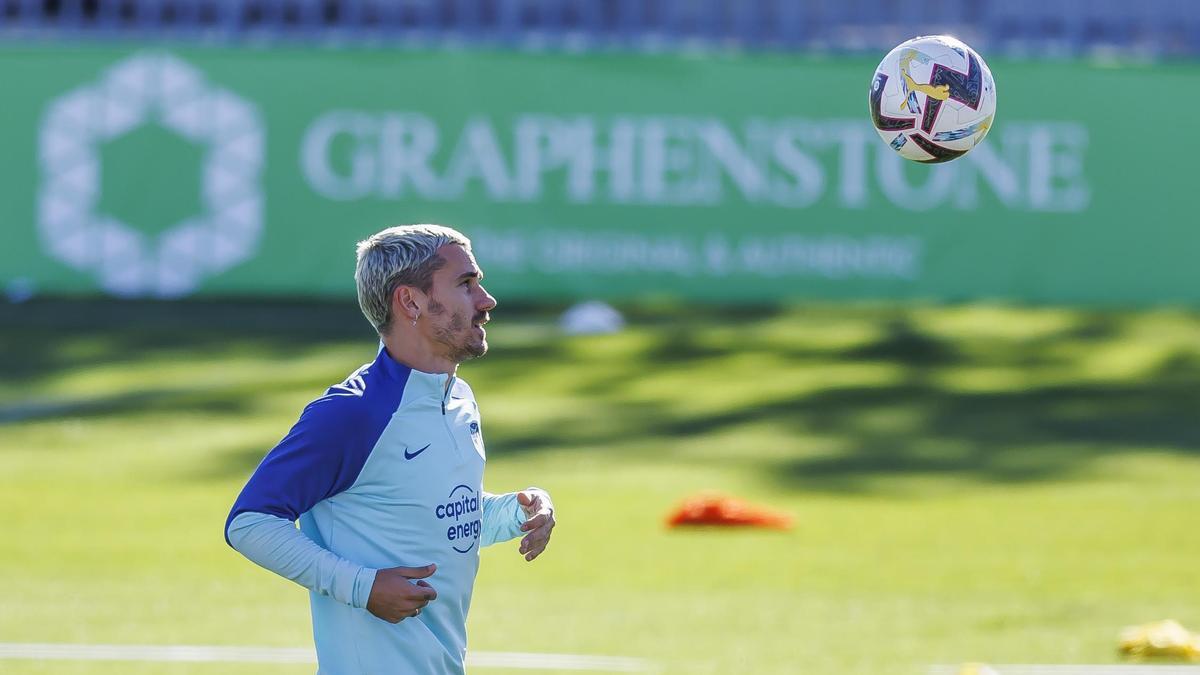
459	305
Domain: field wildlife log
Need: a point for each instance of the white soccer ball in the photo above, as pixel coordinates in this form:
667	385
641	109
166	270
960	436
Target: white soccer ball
932	99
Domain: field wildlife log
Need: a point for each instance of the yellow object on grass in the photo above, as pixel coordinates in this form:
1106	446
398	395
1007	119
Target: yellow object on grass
1160	639
977	669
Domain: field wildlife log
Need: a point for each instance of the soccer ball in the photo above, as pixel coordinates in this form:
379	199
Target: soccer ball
932	99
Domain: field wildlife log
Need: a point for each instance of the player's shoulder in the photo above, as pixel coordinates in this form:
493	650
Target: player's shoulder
461	389
355	386
369	391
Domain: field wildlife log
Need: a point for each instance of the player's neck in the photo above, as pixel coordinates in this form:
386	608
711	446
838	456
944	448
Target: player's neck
417	354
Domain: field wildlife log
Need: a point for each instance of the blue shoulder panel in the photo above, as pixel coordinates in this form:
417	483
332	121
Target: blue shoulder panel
325	451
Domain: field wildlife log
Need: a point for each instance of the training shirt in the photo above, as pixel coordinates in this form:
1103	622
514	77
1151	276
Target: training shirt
384	470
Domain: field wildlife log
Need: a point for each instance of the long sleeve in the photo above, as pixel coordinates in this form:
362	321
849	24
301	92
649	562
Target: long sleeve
503	517
275	544
320	457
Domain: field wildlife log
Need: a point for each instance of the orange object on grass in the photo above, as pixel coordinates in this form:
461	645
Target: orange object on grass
718	509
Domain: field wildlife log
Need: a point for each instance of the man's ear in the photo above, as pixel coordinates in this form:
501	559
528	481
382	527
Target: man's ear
408	303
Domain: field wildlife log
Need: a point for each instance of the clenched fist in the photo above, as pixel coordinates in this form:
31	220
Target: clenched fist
400	592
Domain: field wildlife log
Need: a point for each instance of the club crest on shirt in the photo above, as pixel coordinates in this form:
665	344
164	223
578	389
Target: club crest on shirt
476	437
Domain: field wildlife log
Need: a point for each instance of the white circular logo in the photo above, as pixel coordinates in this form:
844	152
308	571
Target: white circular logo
150	88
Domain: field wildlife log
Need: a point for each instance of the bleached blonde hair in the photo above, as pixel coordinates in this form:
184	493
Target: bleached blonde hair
404	255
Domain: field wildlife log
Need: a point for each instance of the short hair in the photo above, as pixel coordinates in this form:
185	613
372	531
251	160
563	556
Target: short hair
404	255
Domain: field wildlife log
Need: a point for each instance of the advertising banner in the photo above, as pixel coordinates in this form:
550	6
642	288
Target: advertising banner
719	178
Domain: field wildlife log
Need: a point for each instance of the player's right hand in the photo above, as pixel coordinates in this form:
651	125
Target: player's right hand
395	596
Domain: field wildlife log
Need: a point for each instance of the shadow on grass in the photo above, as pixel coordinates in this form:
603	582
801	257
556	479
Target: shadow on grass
145	401
1028	433
849	437
1038	434
43	337
903	342
230	464
1047	433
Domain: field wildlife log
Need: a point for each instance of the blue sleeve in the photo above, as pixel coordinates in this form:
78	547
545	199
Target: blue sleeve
321	456
275	544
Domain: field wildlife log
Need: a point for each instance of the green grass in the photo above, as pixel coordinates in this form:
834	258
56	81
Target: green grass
969	483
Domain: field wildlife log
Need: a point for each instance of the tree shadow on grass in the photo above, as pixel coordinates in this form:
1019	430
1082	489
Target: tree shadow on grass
913	425
142	401
903	342
235	463
1046	433
44	337
1038	433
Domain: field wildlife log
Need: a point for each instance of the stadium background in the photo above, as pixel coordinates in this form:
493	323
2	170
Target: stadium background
972	385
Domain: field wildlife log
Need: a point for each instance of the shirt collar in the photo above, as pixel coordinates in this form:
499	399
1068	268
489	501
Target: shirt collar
434	383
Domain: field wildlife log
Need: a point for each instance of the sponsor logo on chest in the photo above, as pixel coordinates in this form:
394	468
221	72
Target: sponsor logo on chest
462	513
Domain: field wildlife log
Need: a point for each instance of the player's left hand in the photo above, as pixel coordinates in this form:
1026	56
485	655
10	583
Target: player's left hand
539	521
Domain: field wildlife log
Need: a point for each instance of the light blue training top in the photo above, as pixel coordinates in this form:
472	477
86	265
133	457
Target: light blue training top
384	470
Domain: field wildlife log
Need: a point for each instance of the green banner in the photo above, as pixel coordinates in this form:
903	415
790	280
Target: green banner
222	172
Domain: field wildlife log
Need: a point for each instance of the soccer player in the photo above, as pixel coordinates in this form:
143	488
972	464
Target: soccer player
385	473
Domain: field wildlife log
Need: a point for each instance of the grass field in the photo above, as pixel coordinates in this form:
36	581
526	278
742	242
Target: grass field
969	483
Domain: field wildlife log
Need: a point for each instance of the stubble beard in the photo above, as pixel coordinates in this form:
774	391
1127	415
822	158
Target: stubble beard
456	335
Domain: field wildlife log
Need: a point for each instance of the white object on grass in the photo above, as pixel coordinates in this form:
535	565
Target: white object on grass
591	318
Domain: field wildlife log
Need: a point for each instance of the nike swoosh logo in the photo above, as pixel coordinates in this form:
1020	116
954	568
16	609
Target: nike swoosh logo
410	455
